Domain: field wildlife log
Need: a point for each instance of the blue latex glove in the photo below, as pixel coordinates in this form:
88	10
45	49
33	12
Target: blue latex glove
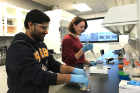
87	47
79	79
138	83
78	71
132	82
93	63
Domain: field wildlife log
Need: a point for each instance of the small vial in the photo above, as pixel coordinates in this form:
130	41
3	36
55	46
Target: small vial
101	64
97	64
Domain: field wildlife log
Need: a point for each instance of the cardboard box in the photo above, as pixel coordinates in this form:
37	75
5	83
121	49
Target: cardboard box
126	88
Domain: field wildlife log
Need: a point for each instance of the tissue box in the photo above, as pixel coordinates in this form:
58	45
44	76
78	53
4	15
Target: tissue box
126	88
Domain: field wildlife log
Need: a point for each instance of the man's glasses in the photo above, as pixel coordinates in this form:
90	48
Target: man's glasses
44	27
81	27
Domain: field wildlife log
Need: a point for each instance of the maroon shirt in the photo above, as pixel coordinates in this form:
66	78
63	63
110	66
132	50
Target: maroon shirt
70	46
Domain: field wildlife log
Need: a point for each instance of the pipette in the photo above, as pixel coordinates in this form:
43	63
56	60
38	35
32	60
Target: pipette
92	52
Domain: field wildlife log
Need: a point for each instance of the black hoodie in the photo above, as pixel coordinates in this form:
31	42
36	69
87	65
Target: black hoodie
28	66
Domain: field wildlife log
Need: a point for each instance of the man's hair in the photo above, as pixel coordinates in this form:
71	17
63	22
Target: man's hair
35	16
76	21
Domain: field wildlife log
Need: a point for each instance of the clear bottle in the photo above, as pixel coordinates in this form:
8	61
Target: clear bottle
129	65
138	67
135	64
126	66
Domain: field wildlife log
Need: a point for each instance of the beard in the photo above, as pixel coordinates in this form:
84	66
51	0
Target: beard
38	36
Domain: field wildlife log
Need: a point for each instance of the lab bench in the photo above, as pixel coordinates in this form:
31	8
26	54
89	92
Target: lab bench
100	83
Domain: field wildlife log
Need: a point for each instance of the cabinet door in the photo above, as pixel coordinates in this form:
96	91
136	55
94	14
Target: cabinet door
24	13
10	19
1	19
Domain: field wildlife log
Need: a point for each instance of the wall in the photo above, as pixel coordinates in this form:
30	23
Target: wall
26	4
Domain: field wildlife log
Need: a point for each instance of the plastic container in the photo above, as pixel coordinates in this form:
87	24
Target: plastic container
123	76
120	66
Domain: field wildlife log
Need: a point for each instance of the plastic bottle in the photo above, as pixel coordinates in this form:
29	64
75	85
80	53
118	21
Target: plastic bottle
129	65
135	64
138	67
125	66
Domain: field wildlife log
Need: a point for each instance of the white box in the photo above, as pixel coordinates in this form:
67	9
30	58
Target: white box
126	88
104	70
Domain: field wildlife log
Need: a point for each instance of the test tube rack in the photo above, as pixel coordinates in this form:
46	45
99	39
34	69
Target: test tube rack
104	70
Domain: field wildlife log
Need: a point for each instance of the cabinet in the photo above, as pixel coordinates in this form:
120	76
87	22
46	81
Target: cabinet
24	12
1	13
11	19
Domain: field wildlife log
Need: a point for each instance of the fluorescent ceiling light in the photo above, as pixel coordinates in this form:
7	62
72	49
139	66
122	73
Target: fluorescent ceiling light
81	7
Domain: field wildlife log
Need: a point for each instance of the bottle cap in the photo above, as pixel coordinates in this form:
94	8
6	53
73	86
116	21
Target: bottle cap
136	61
138	64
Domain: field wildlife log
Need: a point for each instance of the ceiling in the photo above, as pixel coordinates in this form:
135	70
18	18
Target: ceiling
95	5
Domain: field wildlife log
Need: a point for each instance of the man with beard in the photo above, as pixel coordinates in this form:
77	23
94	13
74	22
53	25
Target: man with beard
28	62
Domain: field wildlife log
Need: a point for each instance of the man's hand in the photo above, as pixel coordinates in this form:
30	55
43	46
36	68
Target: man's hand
79	79
78	71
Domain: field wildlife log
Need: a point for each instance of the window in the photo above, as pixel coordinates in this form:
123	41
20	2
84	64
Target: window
95	33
